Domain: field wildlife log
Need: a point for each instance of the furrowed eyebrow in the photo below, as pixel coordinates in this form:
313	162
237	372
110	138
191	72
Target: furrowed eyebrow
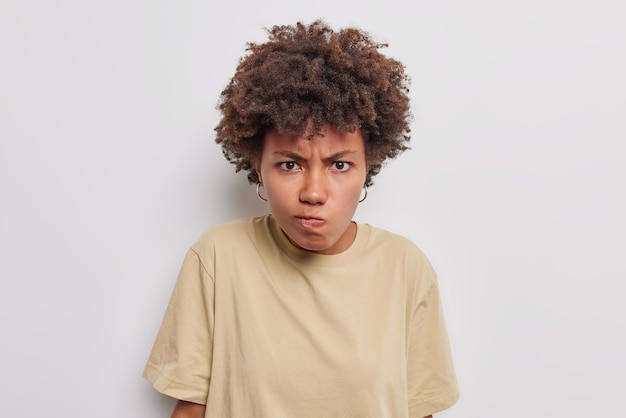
297	157
339	155
289	154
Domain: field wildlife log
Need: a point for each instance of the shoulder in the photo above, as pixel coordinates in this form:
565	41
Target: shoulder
234	226
235	232
387	242
399	251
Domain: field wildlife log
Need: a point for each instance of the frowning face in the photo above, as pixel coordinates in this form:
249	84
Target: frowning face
313	186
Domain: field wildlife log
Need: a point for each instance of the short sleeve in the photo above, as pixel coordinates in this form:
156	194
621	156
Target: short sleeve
180	362
432	384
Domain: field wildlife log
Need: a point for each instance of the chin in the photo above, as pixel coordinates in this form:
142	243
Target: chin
312	246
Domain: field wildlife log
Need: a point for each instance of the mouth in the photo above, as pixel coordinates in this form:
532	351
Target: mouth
309	222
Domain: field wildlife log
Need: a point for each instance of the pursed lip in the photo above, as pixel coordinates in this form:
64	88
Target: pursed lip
310	221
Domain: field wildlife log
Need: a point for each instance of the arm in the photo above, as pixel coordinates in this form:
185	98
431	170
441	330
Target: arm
432	385
186	409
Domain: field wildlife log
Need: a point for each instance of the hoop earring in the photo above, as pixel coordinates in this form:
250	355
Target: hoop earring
365	195
258	192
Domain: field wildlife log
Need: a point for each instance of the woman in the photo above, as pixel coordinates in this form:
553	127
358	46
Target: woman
303	312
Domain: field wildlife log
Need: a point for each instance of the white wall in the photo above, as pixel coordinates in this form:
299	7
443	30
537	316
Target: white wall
514	188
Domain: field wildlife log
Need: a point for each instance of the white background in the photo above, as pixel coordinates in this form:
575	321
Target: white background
514	188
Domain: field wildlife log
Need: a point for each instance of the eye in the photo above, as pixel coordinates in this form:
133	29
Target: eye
341	165
288	165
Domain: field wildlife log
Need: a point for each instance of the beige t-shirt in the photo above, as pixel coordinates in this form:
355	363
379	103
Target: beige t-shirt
259	328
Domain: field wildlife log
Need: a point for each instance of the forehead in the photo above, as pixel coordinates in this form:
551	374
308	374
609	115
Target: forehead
328	140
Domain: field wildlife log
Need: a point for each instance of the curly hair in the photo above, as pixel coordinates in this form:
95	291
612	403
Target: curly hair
306	76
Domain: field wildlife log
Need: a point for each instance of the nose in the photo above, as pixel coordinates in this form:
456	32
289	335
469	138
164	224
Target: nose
314	189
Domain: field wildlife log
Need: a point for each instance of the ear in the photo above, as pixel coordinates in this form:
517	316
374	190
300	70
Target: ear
258	173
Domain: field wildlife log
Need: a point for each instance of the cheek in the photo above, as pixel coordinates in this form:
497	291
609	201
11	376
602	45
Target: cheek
278	192
349	198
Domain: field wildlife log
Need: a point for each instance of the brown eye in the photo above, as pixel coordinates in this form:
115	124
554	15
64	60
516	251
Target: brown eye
289	165
341	165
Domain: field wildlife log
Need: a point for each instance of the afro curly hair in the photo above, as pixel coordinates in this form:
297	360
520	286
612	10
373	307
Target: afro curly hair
306	76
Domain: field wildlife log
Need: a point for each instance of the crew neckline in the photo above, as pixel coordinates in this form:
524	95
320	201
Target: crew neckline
301	256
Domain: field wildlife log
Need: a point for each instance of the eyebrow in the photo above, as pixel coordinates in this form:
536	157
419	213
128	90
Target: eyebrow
297	157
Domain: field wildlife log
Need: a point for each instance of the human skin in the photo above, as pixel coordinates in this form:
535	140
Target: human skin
313	186
186	409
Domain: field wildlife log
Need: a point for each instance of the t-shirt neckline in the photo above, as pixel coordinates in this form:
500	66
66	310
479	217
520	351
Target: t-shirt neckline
301	256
